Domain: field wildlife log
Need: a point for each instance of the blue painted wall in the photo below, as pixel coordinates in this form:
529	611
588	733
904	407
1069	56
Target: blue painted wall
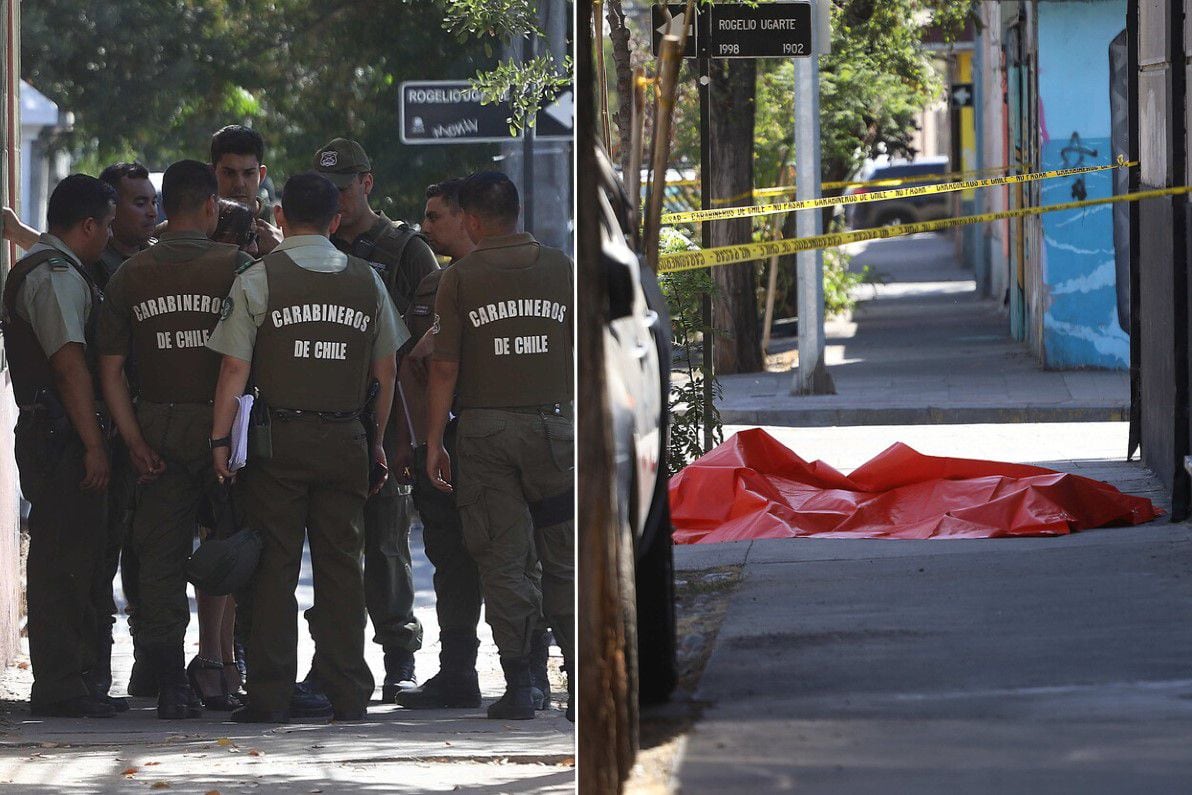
1080	323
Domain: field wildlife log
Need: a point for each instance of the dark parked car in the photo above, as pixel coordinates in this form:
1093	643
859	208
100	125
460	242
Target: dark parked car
900	211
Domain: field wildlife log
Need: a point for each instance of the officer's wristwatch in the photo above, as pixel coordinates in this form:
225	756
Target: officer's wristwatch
223	441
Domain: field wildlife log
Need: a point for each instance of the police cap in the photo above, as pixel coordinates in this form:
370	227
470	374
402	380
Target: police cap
341	160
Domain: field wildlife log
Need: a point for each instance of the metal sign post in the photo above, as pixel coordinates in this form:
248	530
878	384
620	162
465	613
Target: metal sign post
811	377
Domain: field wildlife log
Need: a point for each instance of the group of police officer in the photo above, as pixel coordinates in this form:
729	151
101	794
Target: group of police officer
371	368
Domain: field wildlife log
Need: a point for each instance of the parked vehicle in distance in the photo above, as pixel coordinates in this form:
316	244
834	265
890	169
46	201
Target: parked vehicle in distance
899	211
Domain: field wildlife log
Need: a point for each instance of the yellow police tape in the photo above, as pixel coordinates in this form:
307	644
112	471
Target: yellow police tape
729	255
897	193
890	182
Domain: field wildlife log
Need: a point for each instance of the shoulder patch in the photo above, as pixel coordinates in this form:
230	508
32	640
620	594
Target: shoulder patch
225	309
420	310
58	264
435	328
243	266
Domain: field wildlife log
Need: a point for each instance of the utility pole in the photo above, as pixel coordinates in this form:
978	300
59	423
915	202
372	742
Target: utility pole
811	376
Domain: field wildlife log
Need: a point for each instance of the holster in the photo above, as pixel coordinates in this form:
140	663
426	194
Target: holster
42	434
260	430
368	414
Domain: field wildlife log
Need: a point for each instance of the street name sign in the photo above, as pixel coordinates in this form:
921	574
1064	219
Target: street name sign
450	112
732	30
771	30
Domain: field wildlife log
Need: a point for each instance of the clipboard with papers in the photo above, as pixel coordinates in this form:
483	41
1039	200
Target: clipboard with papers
238	455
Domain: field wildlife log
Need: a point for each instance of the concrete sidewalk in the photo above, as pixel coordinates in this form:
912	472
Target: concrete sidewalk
924	349
394	750
1042	665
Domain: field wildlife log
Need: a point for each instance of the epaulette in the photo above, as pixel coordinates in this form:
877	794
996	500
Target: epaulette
58	263
243	266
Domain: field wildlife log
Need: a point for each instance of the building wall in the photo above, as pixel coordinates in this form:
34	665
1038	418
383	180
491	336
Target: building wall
993	252
1079	301
11	606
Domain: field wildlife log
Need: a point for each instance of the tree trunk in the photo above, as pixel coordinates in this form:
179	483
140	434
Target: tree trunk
607	743
619	36
738	347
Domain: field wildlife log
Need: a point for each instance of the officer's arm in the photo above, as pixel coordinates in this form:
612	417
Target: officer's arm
75	388
115	392
17	232
384	370
440	390
233	376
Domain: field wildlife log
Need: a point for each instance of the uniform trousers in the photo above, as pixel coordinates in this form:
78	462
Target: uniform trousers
66	538
388	570
456	578
314	484
508	461
163	527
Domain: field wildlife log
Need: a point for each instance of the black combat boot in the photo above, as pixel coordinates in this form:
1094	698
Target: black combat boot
399	674
99	678
517	703
175	699
456	684
539	679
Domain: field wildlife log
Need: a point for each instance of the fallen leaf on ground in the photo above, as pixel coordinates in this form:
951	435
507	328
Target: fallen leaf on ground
160	785
211	792
151	764
47	745
224	741
128	771
256	752
24	666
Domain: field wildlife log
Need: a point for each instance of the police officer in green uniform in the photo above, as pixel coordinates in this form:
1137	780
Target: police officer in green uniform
456	580
50	305
161	306
132	231
504	339
314	326
403	258
238	156
136	218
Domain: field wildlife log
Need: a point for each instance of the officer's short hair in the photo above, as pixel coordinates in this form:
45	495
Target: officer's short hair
490	195
448	191
116	172
310	199
77	198
186	185
236	139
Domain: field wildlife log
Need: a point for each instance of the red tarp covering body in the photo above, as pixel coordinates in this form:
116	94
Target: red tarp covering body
753	487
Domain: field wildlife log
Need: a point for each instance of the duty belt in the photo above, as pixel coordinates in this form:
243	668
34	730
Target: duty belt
561	409
328	416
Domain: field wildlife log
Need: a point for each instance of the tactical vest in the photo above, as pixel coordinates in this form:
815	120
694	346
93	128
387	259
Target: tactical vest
383	246
30	366
314	349
174	306
421	314
516	343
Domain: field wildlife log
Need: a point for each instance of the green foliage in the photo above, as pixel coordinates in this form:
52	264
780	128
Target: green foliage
839	282
152	79
684	291
524	86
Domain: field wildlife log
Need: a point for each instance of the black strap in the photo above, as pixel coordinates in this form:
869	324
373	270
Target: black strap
553	510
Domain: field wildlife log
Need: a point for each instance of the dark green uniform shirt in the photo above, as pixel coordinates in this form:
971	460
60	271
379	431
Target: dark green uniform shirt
504	313
399	254
162	305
